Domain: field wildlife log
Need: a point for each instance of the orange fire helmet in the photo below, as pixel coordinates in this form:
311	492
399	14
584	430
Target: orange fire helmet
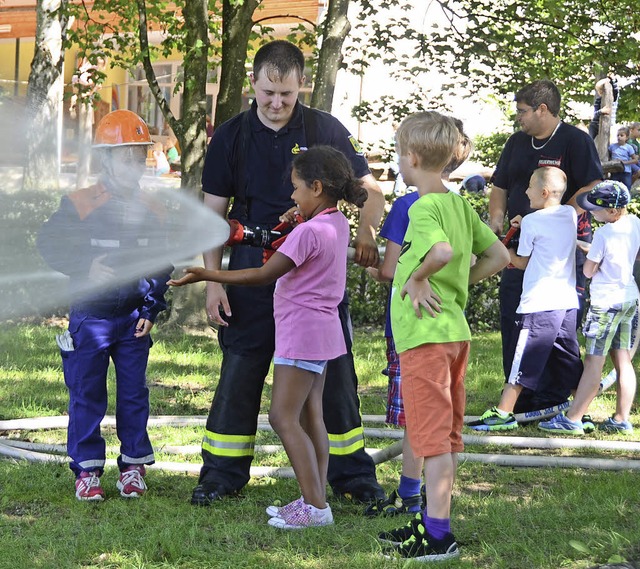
121	128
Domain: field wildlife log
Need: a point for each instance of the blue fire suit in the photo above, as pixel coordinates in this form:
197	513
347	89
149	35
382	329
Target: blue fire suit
97	222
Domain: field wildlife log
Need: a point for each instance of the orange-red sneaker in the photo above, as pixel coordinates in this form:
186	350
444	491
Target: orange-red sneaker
131	482
88	487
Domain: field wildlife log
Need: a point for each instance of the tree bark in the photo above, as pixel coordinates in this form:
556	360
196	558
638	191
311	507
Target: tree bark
192	130
85	130
237	21
335	28
44	97
604	133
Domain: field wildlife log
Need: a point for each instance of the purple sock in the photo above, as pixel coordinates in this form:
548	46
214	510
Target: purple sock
436	527
408	487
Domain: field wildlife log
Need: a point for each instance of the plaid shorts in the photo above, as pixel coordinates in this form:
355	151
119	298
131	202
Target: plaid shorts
395	407
610	328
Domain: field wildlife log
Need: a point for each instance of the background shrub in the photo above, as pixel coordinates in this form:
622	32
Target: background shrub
368	298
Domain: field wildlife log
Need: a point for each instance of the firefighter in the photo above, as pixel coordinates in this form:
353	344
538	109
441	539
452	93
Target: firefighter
95	238
248	160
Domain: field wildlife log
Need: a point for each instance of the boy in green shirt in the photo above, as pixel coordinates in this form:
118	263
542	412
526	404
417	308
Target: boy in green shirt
429	295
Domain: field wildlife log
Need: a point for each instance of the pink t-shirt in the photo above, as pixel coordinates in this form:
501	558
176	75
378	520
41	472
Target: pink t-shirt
305	302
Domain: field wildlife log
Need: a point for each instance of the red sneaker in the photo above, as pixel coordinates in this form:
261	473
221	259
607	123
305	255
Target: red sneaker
131	482
88	487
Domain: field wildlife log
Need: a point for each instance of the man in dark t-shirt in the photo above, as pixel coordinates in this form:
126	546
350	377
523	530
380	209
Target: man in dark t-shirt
248	162
543	140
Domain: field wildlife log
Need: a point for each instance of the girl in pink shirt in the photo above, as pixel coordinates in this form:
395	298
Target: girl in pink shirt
310	269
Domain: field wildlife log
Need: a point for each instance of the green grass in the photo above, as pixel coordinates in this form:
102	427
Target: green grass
503	517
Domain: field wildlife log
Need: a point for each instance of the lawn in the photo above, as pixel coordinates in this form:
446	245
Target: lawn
503	517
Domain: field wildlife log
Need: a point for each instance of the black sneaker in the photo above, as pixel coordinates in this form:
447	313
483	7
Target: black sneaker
394	505
361	490
421	546
397	536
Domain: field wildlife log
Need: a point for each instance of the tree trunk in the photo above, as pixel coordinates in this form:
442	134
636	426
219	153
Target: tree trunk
237	21
44	97
187	308
85	123
192	130
335	28
602	140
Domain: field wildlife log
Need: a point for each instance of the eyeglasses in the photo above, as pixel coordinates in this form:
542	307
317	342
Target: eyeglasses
521	112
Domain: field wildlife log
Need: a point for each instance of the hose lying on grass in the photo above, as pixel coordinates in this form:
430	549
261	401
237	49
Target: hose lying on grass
50	453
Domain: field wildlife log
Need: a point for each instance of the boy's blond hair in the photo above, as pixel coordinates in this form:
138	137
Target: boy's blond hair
461	153
552	179
432	137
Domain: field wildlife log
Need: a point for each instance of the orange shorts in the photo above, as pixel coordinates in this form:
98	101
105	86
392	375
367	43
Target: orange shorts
434	396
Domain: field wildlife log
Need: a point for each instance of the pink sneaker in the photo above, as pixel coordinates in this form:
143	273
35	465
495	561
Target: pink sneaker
303	516
131	482
280	511
88	487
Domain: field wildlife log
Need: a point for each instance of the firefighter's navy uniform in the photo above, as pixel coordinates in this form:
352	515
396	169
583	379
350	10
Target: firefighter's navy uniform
250	162
94	222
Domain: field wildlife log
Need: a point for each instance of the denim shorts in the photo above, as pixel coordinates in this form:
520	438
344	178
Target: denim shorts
315	366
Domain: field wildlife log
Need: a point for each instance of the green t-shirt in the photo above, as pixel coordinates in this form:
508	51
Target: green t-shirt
635	143
432	219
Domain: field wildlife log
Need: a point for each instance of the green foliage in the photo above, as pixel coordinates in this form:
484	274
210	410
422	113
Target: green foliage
368	298
21	216
487	148
507	43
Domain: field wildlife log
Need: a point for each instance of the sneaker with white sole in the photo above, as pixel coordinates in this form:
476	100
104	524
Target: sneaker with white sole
303	516
421	546
131	482
280	511
561	424
397	536
88	487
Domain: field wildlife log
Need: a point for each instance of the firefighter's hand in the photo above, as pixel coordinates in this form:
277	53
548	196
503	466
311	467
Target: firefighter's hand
143	327
99	272
422	296
366	250
217	304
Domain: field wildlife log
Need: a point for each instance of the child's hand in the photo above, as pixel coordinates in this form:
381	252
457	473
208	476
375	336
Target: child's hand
584	246
99	272
422	296
374	273
192	275
291	216
516	221
143	327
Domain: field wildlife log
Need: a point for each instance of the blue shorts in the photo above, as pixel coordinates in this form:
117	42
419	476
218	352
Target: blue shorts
610	328
315	366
